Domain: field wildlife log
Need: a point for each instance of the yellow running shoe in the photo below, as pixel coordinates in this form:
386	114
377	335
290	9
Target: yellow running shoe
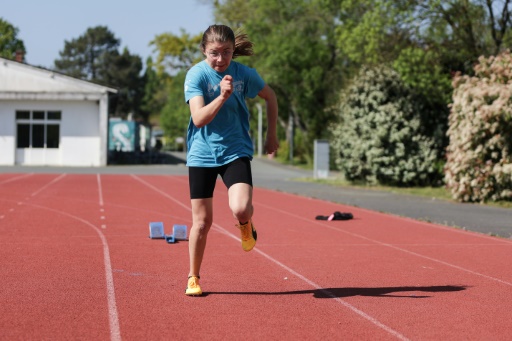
193	288
249	235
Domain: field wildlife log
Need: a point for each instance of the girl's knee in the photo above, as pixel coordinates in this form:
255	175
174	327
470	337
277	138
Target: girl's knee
202	227
242	212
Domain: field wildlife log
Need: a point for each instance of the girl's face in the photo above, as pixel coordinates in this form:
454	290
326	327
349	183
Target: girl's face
219	55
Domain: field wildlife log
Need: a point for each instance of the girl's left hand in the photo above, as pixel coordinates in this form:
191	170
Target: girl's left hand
271	144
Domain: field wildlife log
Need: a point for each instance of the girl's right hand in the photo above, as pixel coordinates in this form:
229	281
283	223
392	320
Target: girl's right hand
226	87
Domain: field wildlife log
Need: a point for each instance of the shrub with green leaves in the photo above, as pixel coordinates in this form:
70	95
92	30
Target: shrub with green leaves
479	156
378	135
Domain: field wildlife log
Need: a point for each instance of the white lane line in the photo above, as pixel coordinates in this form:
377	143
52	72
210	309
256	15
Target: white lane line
16	178
388	245
48	185
412	220
352	234
101	202
100	190
275	261
115	333
161	192
318	287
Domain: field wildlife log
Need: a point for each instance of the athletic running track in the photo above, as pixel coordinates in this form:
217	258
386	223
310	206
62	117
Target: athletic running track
77	264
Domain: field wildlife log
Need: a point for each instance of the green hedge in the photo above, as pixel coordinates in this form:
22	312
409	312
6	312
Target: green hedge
378	135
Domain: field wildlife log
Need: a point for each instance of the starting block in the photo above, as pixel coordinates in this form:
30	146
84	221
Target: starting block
156	231
179	232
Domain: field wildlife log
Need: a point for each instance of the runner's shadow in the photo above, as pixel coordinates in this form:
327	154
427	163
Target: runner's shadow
407	291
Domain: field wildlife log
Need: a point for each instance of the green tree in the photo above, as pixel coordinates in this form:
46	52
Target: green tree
10	44
376	31
225	13
295	54
431	83
372	32
176	53
307	49
155	91
175	113
86	56
453	35
124	72
426	41
95	57
477	27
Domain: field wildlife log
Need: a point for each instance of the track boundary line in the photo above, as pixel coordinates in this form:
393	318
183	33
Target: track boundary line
100	190
16	178
413	220
318	287
285	267
161	192
48	184
115	333
390	246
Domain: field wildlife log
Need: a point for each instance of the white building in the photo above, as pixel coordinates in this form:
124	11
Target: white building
47	118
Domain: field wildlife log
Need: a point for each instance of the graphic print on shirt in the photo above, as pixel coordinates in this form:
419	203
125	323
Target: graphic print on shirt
238	86
211	90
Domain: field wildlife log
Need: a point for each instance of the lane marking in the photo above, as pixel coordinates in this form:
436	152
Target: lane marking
16	178
161	192
396	216
318	287
48	185
389	245
275	261
100	190
101	202
115	332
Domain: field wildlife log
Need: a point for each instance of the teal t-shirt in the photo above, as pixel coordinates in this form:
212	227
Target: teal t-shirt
226	137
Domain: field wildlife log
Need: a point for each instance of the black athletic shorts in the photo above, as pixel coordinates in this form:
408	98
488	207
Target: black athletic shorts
202	179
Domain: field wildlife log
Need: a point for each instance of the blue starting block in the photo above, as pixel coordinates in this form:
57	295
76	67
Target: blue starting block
180	232
156	231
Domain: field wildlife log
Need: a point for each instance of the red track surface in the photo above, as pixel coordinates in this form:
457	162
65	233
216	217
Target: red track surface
77	263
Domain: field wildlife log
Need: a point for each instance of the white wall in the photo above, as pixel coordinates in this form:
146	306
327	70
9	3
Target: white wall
79	131
7	134
80	134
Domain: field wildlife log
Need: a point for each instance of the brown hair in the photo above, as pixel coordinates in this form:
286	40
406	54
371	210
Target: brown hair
222	33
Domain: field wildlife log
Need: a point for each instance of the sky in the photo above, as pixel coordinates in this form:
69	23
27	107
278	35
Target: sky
44	26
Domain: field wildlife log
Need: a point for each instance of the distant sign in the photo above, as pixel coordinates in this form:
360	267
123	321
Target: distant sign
122	136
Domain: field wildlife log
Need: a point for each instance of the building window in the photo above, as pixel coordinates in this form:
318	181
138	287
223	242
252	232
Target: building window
38	129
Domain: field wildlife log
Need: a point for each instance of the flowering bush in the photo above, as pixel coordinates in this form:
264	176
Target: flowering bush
479	159
378	138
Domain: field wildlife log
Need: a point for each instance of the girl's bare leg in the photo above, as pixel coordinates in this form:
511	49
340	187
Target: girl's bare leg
240	201
202	219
